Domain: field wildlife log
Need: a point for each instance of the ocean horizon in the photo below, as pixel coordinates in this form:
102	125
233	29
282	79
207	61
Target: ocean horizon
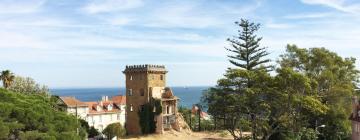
188	95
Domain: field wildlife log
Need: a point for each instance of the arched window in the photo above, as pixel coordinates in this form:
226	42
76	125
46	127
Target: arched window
131	108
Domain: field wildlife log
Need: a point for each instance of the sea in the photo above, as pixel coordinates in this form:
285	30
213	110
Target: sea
188	95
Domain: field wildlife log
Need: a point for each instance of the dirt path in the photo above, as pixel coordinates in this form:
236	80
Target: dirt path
174	135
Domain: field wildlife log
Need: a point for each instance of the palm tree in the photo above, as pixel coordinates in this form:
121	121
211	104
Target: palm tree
7	77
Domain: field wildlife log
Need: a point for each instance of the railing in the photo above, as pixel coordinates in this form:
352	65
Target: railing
167	126
169	119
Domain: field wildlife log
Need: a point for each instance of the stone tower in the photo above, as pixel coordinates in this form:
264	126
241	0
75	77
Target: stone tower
142	83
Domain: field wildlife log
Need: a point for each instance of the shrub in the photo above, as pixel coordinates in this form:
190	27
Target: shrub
114	129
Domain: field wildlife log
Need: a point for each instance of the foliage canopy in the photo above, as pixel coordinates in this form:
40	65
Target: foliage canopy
32	116
311	87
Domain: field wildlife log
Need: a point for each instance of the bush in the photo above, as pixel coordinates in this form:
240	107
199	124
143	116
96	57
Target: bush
114	129
93	132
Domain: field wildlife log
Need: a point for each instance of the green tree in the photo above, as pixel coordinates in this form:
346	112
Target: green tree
238	91
27	85
246	47
114	129
311	87
35	135
7	77
250	57
4	131
334	80
237	107
292	103
186	113
32	116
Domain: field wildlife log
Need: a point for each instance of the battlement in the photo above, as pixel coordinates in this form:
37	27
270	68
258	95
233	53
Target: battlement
145	68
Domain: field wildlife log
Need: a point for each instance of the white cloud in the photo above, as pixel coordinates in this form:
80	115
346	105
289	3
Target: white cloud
341	5
279	25
104	6
213	48
20	7
119	21
181	15
18	23
308	16
169	14
18	40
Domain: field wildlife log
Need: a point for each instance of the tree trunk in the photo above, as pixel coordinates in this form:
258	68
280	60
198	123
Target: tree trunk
253	127
215	123
199	120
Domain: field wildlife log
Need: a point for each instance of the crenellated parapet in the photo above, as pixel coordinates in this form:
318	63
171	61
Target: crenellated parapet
145	68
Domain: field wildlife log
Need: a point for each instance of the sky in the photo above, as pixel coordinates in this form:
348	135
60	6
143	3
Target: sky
88	43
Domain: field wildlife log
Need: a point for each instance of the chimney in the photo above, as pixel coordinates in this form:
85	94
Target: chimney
104	98
355	103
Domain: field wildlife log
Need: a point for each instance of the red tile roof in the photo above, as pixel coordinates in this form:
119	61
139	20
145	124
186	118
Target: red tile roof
119	99
195	110
116	100
72	102
93	107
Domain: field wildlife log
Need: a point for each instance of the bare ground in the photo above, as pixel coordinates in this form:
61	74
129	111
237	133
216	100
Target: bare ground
174	135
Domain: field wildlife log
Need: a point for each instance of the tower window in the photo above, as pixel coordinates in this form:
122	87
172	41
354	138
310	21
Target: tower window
131	108
142	92
142	107
167	109
130	92
161	77
150	91
131	78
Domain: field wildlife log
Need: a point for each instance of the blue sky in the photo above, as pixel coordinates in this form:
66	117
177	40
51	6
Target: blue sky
87	43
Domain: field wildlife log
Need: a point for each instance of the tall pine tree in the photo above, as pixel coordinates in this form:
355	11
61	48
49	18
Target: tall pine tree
239	94
246	48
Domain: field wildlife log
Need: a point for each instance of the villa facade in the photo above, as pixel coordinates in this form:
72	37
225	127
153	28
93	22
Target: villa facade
98	114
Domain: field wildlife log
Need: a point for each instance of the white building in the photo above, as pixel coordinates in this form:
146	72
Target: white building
98	114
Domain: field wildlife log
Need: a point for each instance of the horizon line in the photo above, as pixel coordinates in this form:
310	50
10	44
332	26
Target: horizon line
93	87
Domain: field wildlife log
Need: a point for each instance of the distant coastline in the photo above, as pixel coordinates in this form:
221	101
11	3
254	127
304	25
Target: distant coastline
188	95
